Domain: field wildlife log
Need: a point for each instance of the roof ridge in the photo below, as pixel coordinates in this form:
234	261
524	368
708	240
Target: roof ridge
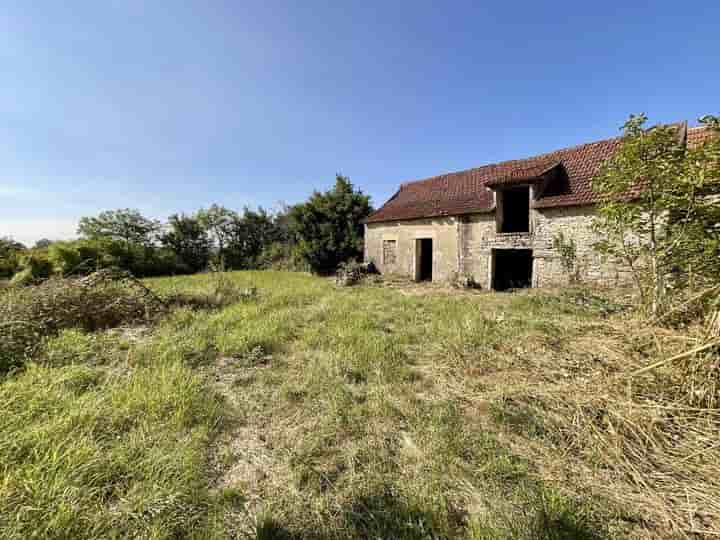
468	190
507	161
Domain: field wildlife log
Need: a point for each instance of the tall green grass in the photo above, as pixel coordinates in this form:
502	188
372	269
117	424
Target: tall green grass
86	453
355	407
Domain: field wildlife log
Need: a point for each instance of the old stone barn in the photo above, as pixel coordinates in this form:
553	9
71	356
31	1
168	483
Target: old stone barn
500	223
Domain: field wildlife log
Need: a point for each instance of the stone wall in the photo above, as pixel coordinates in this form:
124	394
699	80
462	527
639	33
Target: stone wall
444	233
465	244
479	238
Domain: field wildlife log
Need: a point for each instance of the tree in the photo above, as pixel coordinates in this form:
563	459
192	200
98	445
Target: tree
218	222
43	243
250	233
10	255
127	225
8	245
657	213
328	228
189	240
696	228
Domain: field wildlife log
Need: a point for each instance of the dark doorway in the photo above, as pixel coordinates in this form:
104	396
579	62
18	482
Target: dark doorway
515	210
425	259
512	269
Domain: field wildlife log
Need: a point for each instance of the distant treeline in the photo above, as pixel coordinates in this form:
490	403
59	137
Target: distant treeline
316	235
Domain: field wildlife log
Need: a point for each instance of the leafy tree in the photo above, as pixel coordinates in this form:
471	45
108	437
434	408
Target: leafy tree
251	232
8	245
43	243
659	214
189	240
10	253
218	222
282	224
127	225
328	227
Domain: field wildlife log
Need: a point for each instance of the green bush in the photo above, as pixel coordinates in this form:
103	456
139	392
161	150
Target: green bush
81	257
10	253
282	256
34	266
65	257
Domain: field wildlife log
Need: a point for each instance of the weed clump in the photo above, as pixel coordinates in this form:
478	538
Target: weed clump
220	292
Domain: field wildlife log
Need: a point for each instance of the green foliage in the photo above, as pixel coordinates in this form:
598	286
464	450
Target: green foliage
188	239
658	214
79	257
567	249
317	235
34	266
10	254
43	243
239	239
218	223
66	258
250	232
328	228
126	225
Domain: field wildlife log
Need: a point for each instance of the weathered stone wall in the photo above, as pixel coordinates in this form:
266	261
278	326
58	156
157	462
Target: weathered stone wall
574	223
465	244
479	238
443	231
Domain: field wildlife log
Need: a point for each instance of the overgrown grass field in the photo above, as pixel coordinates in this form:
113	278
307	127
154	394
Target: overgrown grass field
276	405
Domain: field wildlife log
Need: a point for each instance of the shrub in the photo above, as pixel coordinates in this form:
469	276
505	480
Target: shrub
567	249
282	256
10	253
659	213
221	291
34	266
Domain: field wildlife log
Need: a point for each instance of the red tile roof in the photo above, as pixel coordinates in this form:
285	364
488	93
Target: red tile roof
698	135
468	192
524	175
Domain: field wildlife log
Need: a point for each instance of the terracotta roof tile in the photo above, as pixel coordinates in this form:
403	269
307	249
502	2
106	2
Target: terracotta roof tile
469	191
698	135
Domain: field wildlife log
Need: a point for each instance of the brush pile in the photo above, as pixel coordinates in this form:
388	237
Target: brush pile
103	299
352	272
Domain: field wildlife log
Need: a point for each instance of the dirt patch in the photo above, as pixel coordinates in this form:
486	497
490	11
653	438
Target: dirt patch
243	459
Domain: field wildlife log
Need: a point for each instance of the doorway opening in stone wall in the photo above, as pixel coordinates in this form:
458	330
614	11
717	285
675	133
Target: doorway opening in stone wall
511	269
423	259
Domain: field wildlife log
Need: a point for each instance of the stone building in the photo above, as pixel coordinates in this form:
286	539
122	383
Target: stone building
503	224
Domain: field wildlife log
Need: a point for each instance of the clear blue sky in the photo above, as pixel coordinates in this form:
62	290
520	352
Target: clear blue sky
170	106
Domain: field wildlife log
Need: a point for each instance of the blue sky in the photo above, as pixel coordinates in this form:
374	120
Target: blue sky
171	106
